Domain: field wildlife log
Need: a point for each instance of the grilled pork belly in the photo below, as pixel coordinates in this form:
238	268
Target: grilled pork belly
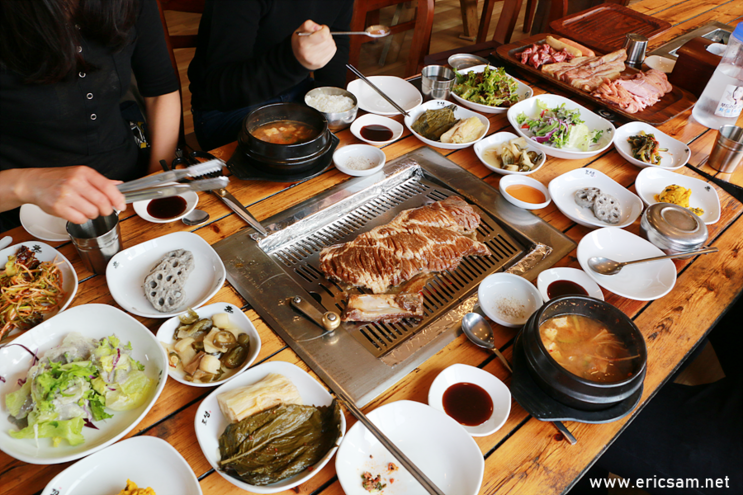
431	238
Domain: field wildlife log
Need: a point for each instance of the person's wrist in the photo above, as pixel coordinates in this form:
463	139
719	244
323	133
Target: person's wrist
19	187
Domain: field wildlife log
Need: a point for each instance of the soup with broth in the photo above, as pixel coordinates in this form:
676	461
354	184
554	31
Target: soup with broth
285	132
586	348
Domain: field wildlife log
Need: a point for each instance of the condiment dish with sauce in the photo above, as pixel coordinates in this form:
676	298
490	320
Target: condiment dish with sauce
524	192
448	386
508	299
370	128
166	210
343	158
562	278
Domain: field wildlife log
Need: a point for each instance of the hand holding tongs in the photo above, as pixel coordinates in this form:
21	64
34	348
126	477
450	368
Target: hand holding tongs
168	190
142	189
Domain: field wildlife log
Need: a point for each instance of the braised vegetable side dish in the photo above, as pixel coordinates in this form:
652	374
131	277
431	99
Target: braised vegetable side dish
646	148
271	391
491	87
512	156
72	385
29	289
132	489
586	347
273	444
441	125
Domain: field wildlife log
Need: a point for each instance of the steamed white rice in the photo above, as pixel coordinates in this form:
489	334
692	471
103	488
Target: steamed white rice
330	103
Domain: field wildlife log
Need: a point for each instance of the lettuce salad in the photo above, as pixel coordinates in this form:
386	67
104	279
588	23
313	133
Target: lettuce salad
559	127
73	385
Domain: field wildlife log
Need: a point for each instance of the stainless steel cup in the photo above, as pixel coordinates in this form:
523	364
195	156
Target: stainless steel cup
636	44
728	149
97	241
436	82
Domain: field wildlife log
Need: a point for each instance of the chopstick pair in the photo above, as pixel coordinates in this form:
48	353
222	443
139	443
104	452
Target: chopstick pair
197	170
381	93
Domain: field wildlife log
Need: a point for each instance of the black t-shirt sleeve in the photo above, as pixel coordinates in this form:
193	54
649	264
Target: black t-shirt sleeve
334	73
232	80
150	59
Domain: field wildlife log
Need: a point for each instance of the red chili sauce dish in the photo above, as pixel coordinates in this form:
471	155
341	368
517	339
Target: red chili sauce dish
467	403
560	288
165	208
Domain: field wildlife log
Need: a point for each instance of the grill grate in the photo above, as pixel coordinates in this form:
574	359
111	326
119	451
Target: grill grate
300	260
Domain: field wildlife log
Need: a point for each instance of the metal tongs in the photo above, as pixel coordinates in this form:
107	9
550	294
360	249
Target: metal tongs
160	185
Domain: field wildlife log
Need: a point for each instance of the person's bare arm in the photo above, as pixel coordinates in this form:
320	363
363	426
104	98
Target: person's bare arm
75	193
163	122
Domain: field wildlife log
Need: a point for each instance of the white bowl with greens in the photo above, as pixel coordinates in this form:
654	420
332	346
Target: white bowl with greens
120	378
493	92
561	128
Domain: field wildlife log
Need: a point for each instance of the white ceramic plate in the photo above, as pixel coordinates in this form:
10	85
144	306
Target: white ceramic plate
399	90
147	461
373	154
91	320
511	180
140	208
459	113
563	190
662	64
501	137
125	273
462	373
641	282
237	318
571	275
210	423
523	91
42	225
676	156
652	181
371	119
436	443
45	252
593	121
505	286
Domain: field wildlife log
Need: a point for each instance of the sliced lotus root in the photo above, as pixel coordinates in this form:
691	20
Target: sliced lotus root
586	197
607	208
164	286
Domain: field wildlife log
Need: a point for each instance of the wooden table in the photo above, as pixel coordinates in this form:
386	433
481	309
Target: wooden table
526	455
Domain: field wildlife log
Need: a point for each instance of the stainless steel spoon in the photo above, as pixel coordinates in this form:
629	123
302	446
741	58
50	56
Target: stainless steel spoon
477	329
196	217
605	266
480	333
376	31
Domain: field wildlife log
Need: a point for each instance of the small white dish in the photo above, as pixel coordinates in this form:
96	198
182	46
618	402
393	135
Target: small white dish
501	137
147	461
42	225
563	188
662	64
571	275
496	389
237	319
460	113
512	289
45	252
436	443
642	281
371	119
652	181
592	120
210	423
511	180
676	157
399	90
126	271
522	90
374	155
90	320
190	197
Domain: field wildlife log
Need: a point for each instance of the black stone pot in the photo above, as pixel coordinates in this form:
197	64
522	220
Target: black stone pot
289	159
571	389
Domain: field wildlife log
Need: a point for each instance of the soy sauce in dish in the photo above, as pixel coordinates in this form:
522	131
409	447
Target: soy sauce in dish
376	132
560	288
467	403
165	208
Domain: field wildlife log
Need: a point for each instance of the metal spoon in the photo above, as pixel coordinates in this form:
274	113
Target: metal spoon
196	217
605	266
480	333
376	31
5	241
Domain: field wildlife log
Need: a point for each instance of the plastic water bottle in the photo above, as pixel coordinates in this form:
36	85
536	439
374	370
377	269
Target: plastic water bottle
722	99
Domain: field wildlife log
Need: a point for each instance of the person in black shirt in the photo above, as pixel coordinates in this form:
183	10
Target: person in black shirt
248	54
64	66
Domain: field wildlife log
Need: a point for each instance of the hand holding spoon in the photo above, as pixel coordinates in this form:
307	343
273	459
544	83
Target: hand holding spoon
376	31
606	266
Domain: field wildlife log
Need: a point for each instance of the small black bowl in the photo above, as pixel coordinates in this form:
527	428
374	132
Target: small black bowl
284	158
563	385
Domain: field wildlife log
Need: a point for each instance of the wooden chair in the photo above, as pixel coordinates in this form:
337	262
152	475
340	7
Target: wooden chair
365	13
180	41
